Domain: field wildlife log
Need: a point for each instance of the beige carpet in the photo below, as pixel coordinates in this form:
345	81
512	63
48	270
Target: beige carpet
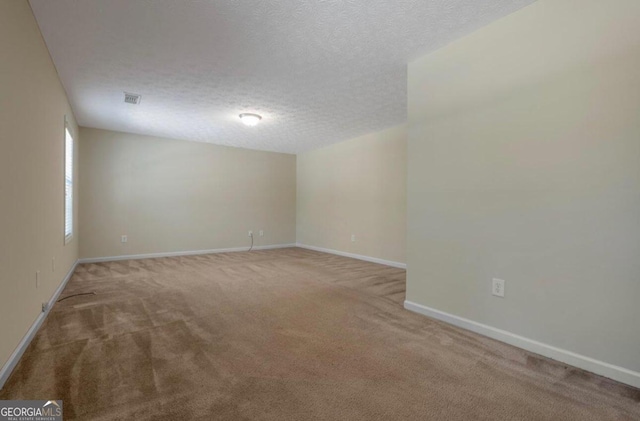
285	334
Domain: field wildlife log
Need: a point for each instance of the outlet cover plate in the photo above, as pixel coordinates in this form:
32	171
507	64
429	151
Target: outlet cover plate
497	287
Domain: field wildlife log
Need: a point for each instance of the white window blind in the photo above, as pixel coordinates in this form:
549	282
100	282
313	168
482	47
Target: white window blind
68	185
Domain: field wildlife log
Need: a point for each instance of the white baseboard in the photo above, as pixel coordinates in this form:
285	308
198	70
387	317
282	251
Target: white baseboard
178	253
13	360
355	256
601	368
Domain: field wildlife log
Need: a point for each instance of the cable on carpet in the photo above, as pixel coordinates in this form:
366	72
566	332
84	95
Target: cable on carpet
76	295
250	248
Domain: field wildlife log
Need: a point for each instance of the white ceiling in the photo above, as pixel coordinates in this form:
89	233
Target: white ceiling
317	71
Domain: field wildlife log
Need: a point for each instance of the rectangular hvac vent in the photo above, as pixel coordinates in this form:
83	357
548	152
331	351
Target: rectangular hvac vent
131	98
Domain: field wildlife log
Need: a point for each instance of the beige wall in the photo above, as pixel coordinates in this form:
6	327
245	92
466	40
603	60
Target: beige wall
355	187
32	109
171	195
524	164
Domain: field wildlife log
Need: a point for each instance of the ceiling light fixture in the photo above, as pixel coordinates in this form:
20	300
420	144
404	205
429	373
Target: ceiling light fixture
250	119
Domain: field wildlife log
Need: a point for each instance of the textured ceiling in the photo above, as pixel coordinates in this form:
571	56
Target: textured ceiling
317	71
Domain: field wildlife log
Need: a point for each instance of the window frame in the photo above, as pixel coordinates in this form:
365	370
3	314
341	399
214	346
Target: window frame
68	130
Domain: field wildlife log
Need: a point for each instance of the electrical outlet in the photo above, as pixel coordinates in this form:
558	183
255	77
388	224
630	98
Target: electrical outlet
498	287
123	239
250	233
353	238
261	233
37	279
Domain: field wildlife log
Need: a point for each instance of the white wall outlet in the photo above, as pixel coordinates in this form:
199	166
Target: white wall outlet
37	279
250	233
261	233
124	239
353	238
497	287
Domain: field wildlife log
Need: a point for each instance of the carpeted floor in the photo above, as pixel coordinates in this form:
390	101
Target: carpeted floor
285	334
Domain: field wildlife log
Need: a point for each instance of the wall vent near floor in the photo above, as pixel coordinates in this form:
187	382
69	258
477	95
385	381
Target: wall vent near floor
132	98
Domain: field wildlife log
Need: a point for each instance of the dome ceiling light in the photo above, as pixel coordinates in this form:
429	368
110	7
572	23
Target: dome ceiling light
250	119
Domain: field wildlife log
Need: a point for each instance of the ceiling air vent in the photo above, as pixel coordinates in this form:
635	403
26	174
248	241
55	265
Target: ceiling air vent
131	98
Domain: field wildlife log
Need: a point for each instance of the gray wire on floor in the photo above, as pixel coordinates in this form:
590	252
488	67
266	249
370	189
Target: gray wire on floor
75	295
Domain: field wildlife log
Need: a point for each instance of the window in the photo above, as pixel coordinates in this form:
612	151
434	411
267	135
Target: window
68	183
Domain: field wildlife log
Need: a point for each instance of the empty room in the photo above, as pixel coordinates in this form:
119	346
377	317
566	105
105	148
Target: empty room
320	210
